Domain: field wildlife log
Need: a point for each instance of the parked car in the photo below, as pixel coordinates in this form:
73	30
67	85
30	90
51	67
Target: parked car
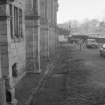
102	50
91	43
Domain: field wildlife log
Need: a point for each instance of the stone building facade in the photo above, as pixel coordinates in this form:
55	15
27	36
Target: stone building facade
40	31
48	23
27	35
12	47
32	34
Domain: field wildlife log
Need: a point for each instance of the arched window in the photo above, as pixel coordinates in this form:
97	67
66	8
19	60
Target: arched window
8	96
14	70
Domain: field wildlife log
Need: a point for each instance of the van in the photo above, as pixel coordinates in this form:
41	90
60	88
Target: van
91	43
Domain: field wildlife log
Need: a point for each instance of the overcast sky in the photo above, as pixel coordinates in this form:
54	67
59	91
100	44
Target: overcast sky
80	10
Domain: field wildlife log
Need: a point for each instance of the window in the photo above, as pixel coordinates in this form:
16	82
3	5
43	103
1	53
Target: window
14	70
20	23
11	21
16	22
8	96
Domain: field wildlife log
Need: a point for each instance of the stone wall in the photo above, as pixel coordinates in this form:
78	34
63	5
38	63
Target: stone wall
16	46
48	21
31	21
52	19
43	28
2	92
3	42
31	43
12	49
40	30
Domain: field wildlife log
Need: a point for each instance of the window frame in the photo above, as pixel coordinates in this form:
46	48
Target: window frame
16	23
